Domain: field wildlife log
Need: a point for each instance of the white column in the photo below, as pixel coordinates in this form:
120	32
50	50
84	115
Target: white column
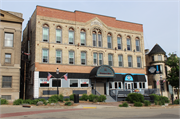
137	85
36	84
146	83
107	88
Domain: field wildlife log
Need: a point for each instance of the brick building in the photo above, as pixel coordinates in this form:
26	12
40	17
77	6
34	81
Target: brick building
10	53
98	52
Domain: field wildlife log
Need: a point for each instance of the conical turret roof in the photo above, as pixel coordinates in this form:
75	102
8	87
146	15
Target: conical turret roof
157	50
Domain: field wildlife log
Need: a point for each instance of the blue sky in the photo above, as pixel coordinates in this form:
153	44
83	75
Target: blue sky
160	18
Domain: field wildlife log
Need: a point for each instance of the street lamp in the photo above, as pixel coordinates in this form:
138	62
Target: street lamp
161	83
57	72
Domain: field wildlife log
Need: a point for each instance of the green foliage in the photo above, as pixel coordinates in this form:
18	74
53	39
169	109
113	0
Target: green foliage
163	98
156	97
95	98
3	101
68	103
18	102
53	99
71	97
125	104
138	104
91	97
84	97
147	103
135	97
67	99
155	102
120	105
160	103
176	101
61	97
27	101
101	98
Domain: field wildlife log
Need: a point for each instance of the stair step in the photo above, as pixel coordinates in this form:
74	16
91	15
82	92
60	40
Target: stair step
109	99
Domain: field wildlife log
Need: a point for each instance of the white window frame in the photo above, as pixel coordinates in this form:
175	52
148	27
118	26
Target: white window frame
8	58
138	62
129	45
44	80
60	57
111	58
70	83
131	61
109	42
84	39
60	37
73	56
119	61
47	56
118	43
84	59
95	59
94	40
11	41
51	82
47	36
83	83
73	37
159	57
99	58
99	39
138	46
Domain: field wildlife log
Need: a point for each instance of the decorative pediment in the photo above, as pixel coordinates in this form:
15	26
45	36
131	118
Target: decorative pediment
96	22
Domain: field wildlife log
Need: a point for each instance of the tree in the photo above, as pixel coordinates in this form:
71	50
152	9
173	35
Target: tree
173	73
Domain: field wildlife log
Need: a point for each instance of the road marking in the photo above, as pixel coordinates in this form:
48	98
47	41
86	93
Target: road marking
90	107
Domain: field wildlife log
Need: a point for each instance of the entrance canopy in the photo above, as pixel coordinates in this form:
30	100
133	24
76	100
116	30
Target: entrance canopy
103	71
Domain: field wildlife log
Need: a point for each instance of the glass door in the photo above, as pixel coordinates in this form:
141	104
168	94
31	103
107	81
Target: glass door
128	85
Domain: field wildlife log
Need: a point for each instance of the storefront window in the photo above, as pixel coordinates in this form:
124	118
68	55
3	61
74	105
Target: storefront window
140	86
116	85
73	83
84	82
56	83
119	85
44	82
135	85
110	85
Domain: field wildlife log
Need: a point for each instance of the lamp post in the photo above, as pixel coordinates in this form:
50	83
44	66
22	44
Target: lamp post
161	83
57	72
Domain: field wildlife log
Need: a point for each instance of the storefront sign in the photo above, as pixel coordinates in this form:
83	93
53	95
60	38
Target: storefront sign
155	69
84	81
128	78
44	81
105	71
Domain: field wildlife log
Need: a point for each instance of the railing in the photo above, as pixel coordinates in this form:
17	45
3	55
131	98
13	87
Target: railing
95	92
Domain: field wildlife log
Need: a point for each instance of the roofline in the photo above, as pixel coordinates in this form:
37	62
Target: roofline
88	13
13	14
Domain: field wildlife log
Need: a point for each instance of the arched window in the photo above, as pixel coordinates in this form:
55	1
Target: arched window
119	42
137	44
97	37
100	39
83	37
45	33
58	34
128	43
109	39
94	38
71	35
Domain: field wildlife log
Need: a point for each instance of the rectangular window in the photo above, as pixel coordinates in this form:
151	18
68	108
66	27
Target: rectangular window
129	61
119	85
71	57
56	83
7	97
154	84
83	58
135	85
73	83
71	37
110	59
45	34
140	85
7	58
58	36
100	59
159	58
120	58
143	85
6	81
83	38
100	40
8	39
110	85
115	84
45	55
94	39
119	42
95	58
138	62
137	45
128	44
109	42
152	58
84	82
58	56
44	84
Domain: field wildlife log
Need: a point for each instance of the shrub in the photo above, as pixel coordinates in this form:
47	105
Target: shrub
120	105
61	97
67	99
155	102
27	101
68	103
135	97
53	99
125	104
138	104
71	97
147	103
95	98
160	103
91	97
156	97
165	99
101	98
3	101
176	101
18	102
85	97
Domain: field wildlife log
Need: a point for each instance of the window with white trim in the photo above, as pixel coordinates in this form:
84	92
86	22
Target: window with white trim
100	39
138	62
45	33
45	55
7	97
71	36
129	61
73	83
117	85
56	82
159	57
120	58
95	58
71	57
137	44
58	56
84	82
109	39
141	84
6	81
135	85
94	38
110	59
128	43
83	58
7	58
44	82
83	37
100	59
119	42
8	39
58	34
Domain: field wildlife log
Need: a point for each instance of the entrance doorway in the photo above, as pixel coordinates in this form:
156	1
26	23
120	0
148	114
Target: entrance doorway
129	85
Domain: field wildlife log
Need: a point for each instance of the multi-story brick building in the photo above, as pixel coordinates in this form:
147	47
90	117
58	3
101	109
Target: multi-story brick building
97	51
10	53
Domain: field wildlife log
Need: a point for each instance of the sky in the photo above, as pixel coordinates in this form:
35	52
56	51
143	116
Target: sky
160	18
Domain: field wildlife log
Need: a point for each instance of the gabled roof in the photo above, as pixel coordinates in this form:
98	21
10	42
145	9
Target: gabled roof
157	50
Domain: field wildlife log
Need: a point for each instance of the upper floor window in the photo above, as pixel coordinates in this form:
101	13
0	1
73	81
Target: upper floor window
71	57
95	58
129	61
137	44
8	39
110	59
58	34
94	38
109	39
83	58
119	42
120	58
83	37
100	59
6	81
58	56
138	62
159	58
7	58
100	39
45	55
45	33
152	58
71	36
128	43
